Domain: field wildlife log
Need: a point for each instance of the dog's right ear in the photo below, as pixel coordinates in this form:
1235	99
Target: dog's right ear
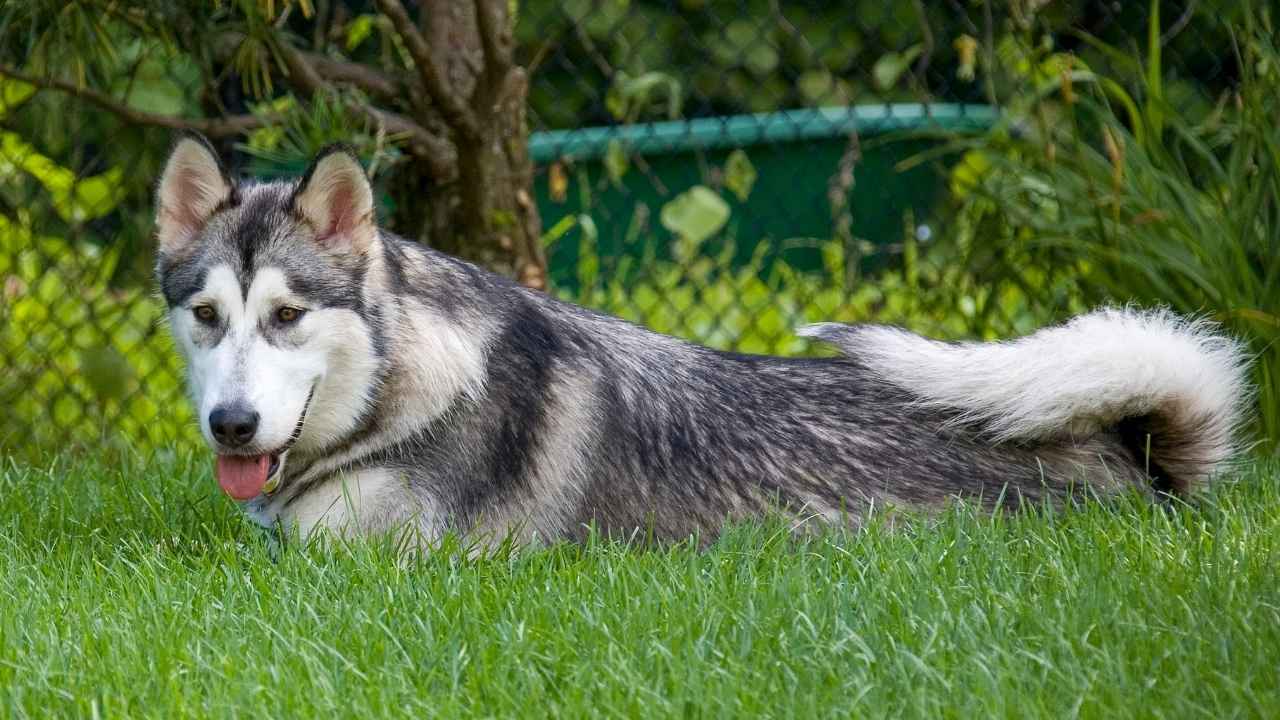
193	186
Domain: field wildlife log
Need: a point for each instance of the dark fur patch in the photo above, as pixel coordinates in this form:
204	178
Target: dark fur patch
522	380
181	277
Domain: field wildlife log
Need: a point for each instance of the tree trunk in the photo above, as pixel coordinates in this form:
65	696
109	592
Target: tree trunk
484	211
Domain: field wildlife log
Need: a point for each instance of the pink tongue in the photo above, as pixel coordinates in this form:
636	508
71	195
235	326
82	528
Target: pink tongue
243	477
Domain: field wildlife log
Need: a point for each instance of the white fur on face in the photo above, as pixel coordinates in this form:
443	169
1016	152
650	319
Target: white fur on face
275	378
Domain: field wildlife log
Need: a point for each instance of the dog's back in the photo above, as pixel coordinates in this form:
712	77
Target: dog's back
590	420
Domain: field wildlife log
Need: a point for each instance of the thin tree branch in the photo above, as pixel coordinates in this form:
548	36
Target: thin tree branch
434	150
922	66
372	81
301	74
451	107
439	155
495	35
229	126
1179	24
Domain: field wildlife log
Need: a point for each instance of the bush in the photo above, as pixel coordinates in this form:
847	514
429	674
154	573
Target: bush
84	362
75	349
748	308
1103	175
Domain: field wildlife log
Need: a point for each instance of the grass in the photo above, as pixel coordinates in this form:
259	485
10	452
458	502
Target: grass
129	587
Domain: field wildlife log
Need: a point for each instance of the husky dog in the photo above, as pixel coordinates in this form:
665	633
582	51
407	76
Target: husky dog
351	380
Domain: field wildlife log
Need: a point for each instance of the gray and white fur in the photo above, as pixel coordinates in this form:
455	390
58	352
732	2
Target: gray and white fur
391	385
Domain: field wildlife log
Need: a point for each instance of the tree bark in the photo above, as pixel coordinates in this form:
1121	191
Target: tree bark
483	211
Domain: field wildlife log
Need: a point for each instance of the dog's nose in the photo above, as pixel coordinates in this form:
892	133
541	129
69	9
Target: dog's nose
233	425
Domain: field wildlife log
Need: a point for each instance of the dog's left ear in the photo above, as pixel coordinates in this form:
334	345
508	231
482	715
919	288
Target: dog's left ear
335	199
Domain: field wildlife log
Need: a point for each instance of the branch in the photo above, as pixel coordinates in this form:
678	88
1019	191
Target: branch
438	153
212	127
370	80
495	35
927	55
454	111
364	77
301	74
1179	24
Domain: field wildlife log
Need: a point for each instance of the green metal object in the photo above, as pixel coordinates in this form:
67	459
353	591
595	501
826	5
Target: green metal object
795	155
741	131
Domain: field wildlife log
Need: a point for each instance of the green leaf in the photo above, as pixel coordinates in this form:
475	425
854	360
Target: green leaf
75	199
588	252
890	67
1155	86
966	175
152	79
13	93
589	231
739	174
696	214
744	43
270	136
821	87
628	97
558	230
616	161
359	30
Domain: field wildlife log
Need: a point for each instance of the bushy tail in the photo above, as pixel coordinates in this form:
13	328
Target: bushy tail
1175	389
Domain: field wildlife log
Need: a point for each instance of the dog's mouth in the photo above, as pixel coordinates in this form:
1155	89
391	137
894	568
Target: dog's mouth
244	477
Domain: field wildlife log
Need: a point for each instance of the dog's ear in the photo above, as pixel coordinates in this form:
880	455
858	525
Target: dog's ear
335	199
192	187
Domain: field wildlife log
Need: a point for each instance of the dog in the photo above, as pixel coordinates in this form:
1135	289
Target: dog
353	381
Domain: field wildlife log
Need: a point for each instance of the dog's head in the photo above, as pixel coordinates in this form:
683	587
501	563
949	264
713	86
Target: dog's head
266	290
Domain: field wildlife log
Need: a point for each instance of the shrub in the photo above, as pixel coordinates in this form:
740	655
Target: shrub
1147	204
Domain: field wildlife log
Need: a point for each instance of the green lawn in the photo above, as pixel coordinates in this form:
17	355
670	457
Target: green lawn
131	588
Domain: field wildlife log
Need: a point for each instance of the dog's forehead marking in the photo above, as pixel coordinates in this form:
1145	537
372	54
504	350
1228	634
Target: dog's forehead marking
258	223
267	286
222	285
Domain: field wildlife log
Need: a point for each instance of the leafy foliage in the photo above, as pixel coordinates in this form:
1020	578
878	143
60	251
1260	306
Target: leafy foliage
78	350
1148	203
699	291
75	347
1040	226
737	56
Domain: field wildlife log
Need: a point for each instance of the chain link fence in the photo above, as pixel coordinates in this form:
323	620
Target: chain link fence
723	170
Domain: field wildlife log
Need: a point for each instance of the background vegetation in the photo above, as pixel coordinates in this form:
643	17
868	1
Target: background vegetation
1135	161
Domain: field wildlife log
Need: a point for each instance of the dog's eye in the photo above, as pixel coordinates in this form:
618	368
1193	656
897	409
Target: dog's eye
205	313
286	315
